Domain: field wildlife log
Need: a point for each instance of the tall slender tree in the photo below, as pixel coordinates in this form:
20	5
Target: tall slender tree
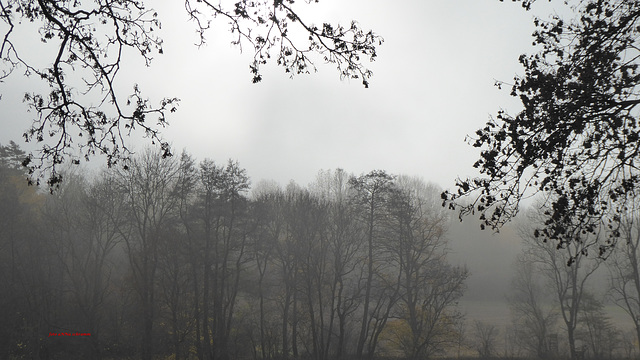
149	189
567	269
531	309
345	245
429	286
371	194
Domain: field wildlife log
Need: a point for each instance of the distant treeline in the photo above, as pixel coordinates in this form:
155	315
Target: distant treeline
171	258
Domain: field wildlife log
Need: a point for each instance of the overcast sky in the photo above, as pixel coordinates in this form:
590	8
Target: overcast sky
433	84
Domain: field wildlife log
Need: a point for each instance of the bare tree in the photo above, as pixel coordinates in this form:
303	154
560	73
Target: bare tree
83	236
485	338
371	195
628	346
174	285
148	187
268	213
222	204
186	191
567	269
344	246
286	260
624	267
307	224
429	286
531	311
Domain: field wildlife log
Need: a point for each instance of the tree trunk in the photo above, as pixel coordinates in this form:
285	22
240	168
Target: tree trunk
364	328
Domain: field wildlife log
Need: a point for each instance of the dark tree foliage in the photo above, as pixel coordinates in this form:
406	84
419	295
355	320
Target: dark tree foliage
81	113
11	157
576	140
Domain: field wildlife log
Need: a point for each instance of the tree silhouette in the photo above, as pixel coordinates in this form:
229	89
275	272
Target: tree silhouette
576	140
82	114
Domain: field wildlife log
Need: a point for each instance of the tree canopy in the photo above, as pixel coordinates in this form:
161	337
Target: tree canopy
177	258
82	114
576	139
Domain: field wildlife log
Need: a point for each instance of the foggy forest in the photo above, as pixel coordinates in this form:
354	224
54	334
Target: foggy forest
114	244
177	258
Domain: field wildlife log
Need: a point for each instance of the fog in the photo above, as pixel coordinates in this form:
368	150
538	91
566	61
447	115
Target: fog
171	248
298	217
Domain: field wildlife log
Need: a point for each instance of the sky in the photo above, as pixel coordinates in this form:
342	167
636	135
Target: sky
433	84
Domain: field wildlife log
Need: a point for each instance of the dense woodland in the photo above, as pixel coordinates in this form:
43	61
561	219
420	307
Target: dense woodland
170	258
162	256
